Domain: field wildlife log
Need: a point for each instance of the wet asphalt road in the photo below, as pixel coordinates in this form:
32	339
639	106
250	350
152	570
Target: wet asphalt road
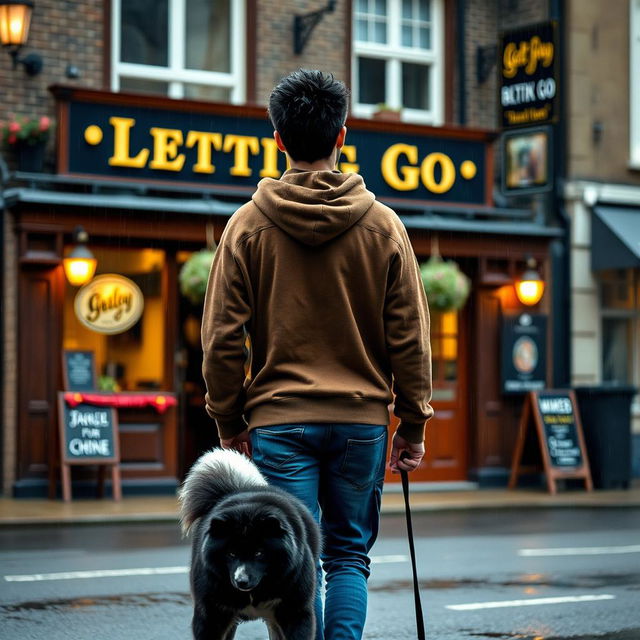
465	558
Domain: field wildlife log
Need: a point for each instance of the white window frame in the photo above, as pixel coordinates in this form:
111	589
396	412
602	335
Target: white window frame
175	69
395	54
634	84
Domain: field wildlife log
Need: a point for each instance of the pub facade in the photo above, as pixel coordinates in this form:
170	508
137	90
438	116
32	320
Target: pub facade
157	144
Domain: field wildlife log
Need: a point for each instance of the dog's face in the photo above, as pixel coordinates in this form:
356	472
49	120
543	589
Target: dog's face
246	549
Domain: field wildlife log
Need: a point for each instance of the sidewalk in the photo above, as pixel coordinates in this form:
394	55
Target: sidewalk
165	508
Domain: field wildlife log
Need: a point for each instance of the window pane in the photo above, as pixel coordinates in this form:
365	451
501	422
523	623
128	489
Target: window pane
205	92
381	7
407	9
617	290
407	36
361	30
144	41
208	26
144	86
371	80
425	38
362	6
415	86
134	360
424	9
616	350
380	32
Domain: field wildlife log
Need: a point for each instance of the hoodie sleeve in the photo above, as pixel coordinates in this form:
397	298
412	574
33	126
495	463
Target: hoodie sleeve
226	313
406	319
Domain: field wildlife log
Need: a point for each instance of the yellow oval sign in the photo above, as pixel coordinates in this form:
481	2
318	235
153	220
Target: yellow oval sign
109	304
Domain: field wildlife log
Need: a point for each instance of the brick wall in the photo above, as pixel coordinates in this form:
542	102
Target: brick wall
598	94
326	49
63	32
484	21
8	418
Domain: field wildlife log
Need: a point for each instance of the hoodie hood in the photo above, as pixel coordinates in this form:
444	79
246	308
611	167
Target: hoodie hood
313	207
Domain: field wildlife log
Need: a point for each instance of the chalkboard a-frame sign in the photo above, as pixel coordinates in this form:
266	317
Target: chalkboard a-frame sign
559	433
88	435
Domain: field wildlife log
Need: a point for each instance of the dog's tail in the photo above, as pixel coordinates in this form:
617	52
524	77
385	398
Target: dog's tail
214	475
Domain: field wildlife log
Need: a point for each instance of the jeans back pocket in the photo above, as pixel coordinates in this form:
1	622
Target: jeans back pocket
364	460
276	447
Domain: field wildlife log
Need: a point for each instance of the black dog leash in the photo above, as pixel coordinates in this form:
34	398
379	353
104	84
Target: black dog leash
416	590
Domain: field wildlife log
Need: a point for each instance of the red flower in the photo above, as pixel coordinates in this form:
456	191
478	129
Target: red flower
12	139
44	123
14	127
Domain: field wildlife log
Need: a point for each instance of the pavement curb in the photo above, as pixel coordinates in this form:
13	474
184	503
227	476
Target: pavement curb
105	512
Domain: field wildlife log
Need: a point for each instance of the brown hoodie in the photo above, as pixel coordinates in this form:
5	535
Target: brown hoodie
323	279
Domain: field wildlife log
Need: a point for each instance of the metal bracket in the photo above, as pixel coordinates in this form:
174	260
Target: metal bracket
485	60
304	25
32	63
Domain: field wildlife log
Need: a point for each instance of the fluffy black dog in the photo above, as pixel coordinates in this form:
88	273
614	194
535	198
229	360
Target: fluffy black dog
254	551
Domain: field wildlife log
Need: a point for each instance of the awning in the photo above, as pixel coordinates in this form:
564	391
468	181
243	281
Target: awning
615	238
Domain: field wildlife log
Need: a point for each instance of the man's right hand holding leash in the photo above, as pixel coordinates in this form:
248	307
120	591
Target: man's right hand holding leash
408	463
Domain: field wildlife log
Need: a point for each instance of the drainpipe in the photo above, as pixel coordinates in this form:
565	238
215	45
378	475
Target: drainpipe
462	63
561	249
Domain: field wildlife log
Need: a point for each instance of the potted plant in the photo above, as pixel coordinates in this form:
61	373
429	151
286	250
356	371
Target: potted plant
385	112
447	288
27	137
194	275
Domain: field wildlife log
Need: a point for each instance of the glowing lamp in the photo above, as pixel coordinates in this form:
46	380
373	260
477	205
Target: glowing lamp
530	286
15	20
80	264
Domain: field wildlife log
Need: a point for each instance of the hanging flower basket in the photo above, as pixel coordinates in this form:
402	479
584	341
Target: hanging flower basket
195	274
447	288
27	137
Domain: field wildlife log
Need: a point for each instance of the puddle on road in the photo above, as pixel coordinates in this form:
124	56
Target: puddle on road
598	581
67	604
627	634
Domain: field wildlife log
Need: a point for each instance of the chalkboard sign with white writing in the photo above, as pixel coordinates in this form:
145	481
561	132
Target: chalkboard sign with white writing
89	434
558	430
561	435
79	368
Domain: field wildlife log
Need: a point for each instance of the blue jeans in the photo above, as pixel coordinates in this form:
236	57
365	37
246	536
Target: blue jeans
337	470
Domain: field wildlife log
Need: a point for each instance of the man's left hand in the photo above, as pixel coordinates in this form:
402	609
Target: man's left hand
241	443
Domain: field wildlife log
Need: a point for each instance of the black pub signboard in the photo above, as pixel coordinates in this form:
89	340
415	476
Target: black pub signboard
529	76
524	352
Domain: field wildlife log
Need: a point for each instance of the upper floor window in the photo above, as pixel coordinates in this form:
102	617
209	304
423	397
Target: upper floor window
634	84
398	58
620	314
179	48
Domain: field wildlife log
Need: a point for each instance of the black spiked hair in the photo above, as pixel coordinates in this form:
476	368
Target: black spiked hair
308	108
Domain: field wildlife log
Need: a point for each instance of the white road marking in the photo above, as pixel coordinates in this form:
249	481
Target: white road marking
104	573
388	559
527	603
580	551
143	571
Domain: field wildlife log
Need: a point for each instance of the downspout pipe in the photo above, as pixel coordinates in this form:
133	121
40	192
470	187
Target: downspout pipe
462	62
561	252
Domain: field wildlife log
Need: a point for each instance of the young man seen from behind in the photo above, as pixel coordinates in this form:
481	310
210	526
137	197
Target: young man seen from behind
323	279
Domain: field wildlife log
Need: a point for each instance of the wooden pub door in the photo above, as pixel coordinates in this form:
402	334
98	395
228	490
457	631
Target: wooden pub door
447	435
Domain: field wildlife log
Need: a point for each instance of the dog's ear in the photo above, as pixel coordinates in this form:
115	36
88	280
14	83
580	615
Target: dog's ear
272	526
219	526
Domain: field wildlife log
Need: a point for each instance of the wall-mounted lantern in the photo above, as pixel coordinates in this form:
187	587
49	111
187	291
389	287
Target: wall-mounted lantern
80	264
15	20
530	286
